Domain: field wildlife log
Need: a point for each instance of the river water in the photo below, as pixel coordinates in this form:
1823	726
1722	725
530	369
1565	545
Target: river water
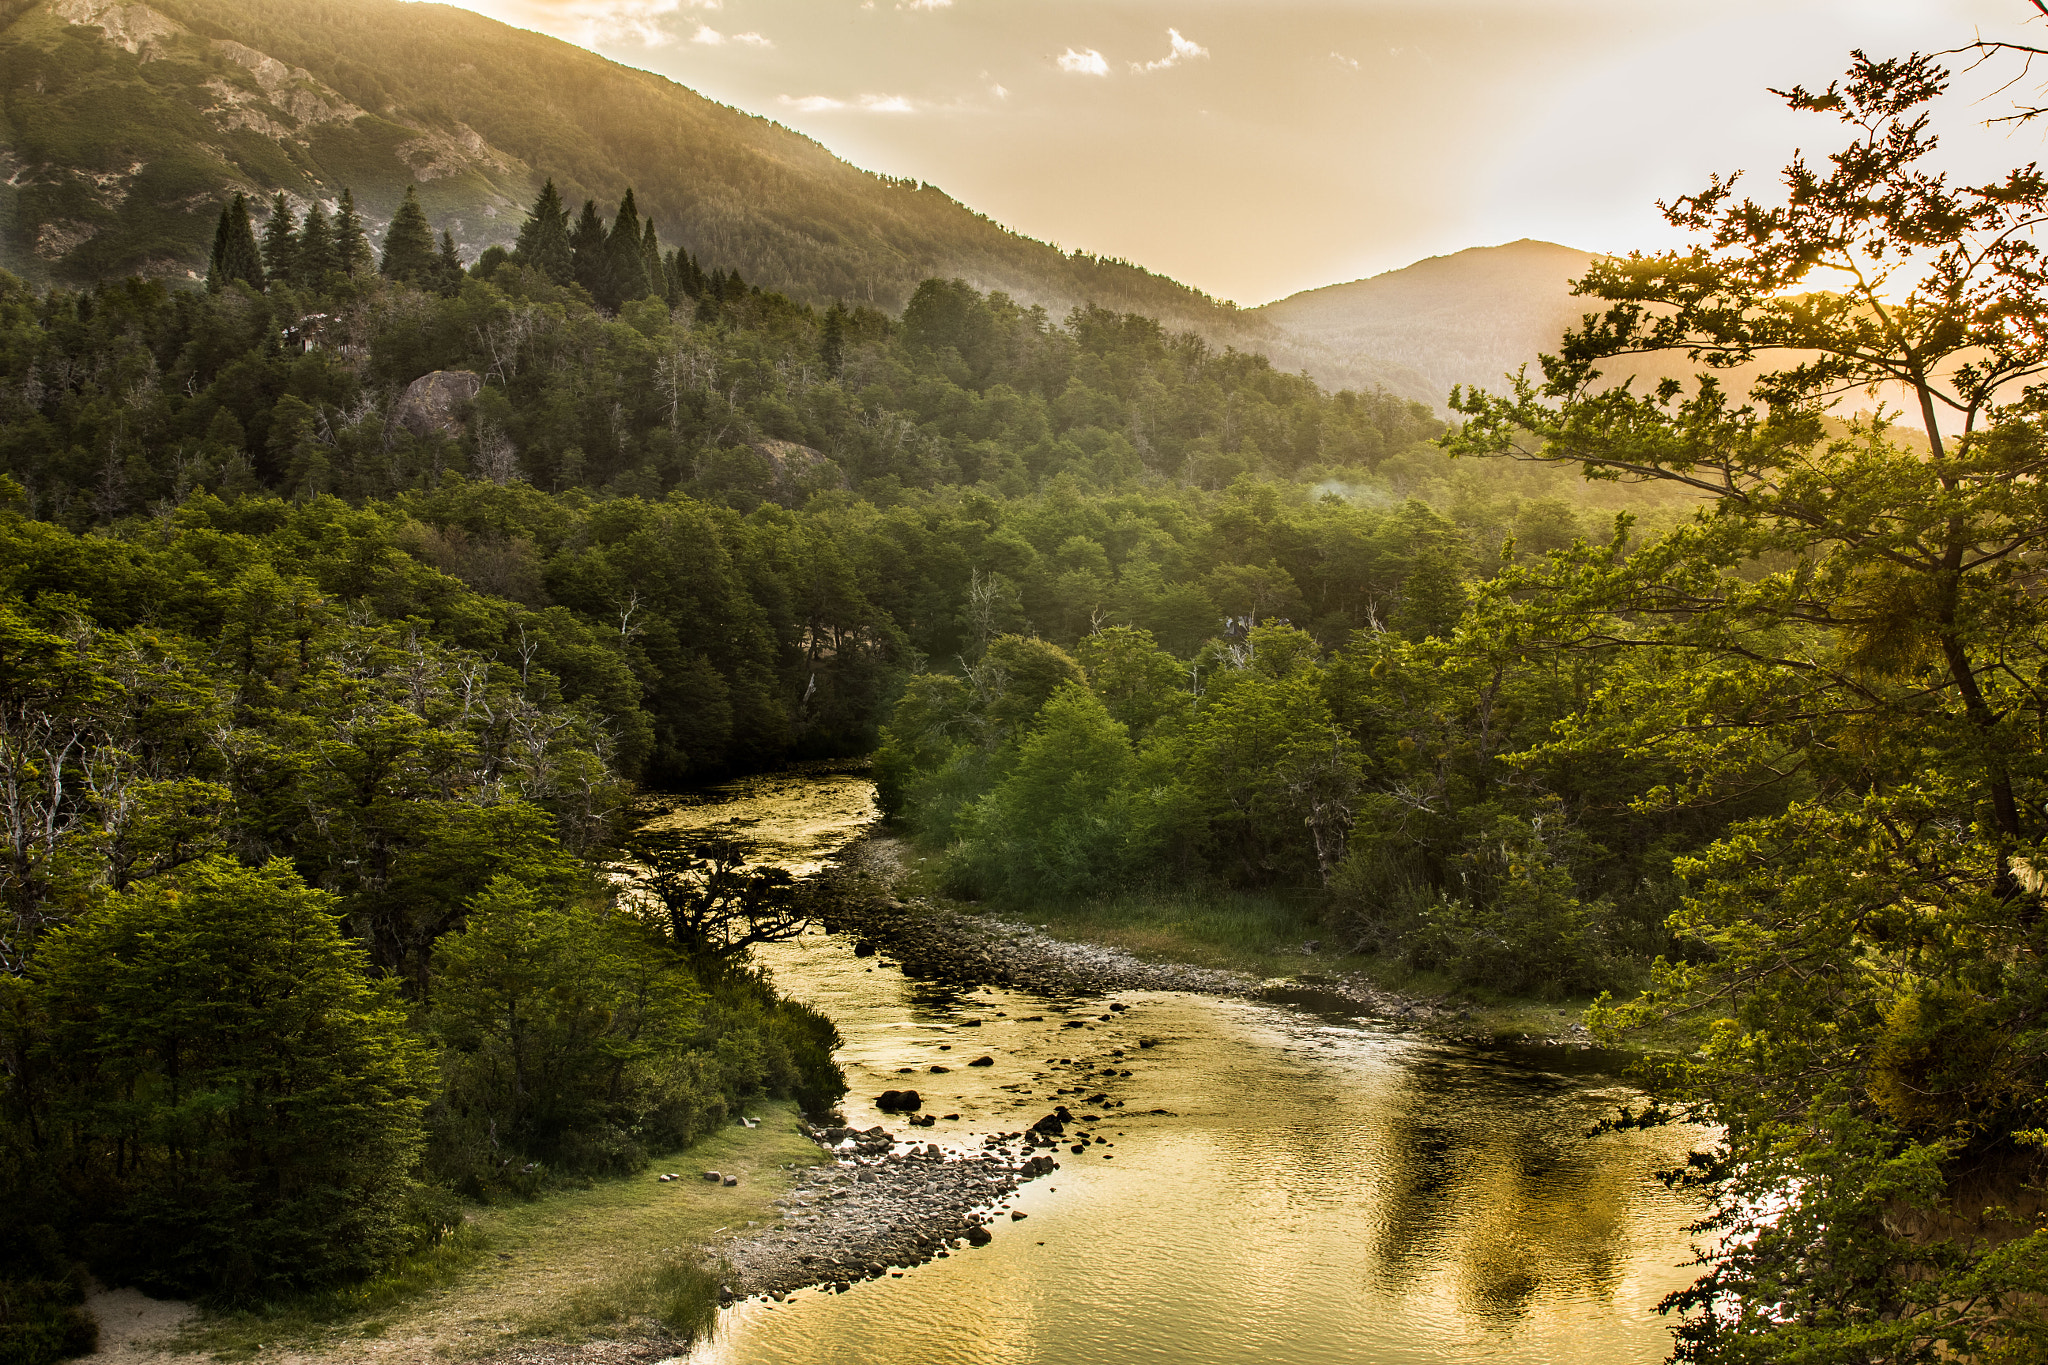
1319	1188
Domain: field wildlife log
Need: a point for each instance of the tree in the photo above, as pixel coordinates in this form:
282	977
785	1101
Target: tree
351	244
832	340
543	243
1856	617
650	263
564	1024
316	256
1138	681
714	904
625	269
235	254
587	252
409	254
448	266
239	1104
1061	822
280	242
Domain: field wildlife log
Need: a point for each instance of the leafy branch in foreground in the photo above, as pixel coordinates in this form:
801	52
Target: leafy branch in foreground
1856	618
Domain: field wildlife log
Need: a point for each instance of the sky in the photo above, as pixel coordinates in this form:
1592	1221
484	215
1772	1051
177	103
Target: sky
1255	148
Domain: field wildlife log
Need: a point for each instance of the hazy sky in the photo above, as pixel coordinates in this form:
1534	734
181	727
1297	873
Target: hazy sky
1258	147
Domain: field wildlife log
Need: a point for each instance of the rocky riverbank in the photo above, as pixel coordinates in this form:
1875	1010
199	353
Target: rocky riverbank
881	1207
932	941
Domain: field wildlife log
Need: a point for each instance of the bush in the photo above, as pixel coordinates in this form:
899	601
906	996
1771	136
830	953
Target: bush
42	1298
238	1103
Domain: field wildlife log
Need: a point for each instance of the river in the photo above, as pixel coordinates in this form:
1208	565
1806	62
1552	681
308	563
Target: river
1318	1189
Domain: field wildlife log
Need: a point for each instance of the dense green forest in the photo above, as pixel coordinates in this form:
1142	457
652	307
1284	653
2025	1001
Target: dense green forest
316	687
348	597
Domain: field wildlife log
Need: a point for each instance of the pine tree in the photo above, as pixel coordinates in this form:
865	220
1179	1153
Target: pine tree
650	262
409	253
351	243
832	343
625	270
544	239
586	250
280	243
235	254
449	271
315	258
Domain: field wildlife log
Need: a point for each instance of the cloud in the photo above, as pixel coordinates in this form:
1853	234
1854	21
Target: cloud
592	22
1184	50
753	40
1344	61
868	104
1087	62
708	36
928	4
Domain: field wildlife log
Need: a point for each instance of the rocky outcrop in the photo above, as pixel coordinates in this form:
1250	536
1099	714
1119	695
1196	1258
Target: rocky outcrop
136	29
798	466
435	404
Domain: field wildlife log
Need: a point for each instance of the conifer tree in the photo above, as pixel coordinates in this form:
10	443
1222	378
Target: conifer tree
280	242
449	271
544	239
832	341
351	244
586	250
625	270
650	262
409	253
315	258
235	255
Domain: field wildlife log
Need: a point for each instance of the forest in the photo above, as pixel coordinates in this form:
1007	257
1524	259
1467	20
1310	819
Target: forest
1725	704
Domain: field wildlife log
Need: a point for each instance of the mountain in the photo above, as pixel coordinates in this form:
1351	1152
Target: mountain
124	126
1466	318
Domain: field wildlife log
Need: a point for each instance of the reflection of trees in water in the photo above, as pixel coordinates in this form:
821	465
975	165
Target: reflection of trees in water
1492	1192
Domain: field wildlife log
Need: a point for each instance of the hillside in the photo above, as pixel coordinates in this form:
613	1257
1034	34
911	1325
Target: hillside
124	125
1467	318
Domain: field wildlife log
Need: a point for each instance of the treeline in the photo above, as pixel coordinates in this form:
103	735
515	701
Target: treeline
119	398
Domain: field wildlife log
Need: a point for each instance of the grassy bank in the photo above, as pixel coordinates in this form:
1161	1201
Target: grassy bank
1274	936
621	1256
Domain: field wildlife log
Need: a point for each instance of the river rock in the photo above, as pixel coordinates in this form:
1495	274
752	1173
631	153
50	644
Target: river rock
979	1236
898	1101
983	1061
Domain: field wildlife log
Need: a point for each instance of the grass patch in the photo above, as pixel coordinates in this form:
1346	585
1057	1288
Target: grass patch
618	1255
1265	935
1259	933
677	1294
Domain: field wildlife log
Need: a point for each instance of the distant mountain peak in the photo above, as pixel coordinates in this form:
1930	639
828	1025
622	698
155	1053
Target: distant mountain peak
1469	317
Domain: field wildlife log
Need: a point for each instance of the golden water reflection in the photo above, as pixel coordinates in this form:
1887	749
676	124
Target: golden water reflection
1320	1189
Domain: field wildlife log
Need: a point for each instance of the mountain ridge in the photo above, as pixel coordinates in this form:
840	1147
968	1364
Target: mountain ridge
125	124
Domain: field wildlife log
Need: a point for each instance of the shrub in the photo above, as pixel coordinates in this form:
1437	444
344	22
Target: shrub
239	1104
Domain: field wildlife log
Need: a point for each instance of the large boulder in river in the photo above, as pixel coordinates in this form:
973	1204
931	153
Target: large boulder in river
899	1101
434	404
